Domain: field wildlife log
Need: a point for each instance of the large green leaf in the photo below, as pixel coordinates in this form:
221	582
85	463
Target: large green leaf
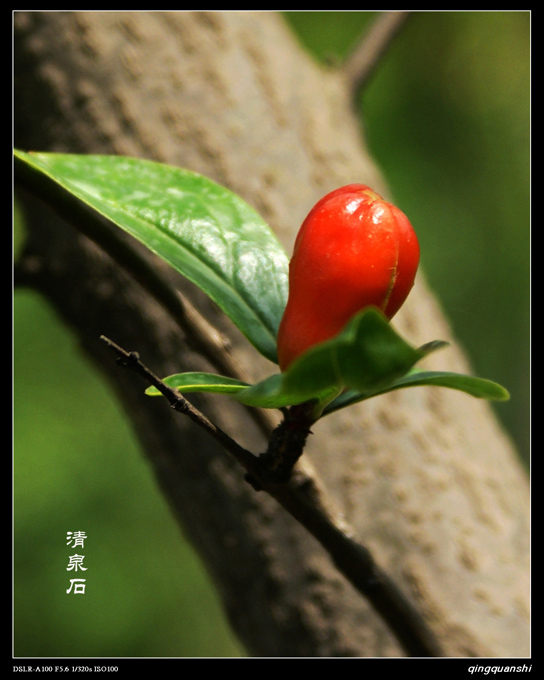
206	232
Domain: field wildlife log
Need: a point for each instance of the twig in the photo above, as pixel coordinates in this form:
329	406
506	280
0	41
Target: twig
178	403
362	63
302	499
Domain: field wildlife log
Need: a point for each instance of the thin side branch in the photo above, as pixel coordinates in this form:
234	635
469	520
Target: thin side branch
363	61
300	497
178	403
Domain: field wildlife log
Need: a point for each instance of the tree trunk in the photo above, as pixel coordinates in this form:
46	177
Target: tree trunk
425	477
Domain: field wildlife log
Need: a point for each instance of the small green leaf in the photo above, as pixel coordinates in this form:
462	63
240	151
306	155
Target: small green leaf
265	394
273	393
200	382
480	388
207	233
367	353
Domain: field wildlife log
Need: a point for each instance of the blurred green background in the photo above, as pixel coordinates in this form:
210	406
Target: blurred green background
447	118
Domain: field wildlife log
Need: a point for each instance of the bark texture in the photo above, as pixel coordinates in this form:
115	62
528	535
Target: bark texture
425	476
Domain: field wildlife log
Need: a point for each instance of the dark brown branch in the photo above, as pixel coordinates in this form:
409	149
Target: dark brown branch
362	63
178	403
300	497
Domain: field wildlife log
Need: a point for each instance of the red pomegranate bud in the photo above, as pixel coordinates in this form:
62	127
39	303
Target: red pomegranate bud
354	250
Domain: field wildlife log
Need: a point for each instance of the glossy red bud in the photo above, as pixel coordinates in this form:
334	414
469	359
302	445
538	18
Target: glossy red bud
354	250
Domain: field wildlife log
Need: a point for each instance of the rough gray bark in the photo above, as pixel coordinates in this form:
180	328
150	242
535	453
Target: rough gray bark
425	477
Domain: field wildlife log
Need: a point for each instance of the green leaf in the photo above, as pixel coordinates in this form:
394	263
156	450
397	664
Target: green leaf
265	394
368	354
367	359
272	392
200	382
480	388
207	233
